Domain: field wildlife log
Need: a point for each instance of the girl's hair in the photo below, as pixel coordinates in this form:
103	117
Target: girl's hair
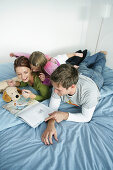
38	59
21	62
65	75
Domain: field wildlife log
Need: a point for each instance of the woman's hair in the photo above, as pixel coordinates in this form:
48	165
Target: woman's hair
38	59
21	62
65	75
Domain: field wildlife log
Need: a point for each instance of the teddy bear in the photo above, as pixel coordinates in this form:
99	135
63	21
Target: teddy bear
11	94
4	84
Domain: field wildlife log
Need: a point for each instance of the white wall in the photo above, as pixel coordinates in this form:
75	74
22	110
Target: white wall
106	38
55	27
50	26
100	29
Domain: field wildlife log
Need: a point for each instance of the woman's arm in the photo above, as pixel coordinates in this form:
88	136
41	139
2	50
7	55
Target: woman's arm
13	83
42	96
44	93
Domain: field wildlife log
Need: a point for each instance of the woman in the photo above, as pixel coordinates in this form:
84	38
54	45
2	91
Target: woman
24	73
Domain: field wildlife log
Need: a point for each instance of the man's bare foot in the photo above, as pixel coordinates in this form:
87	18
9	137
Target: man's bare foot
78	54
76	66
104	52
75	54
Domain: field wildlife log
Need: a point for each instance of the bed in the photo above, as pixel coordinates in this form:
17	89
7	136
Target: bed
81	146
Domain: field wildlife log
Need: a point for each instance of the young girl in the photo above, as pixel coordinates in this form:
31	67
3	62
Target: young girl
46	65
23	70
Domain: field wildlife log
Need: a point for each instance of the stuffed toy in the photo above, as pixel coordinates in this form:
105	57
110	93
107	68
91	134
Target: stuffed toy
4	84
11	94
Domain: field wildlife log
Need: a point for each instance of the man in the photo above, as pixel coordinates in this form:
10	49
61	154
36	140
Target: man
77	89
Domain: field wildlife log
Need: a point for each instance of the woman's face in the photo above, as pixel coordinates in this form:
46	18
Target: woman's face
23	73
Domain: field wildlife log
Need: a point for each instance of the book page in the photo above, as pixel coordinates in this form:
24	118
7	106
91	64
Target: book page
35	114
16	107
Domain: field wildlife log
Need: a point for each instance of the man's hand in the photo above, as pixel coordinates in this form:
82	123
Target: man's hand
49	132
58	116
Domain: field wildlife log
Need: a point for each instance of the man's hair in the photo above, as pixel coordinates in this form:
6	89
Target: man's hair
65	75
38	59
21	62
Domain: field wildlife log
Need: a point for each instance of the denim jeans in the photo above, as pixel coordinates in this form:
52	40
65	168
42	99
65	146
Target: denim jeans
92	66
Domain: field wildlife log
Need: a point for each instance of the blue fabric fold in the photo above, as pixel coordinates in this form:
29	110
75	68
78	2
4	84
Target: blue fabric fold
80	146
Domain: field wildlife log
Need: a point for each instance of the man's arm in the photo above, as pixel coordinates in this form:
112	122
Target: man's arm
85	116
54	103
49	132
58	116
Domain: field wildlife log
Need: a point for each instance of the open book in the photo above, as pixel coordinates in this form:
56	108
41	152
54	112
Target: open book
32	112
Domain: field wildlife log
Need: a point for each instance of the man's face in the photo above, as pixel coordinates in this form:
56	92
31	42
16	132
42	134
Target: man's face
61	91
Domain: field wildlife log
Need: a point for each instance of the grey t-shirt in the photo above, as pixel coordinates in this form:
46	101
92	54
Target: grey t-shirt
87	93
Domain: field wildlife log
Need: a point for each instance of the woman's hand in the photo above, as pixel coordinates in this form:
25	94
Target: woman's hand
28	94
11	83
42	76
49	132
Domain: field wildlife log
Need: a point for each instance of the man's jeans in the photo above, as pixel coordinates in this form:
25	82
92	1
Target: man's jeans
92	66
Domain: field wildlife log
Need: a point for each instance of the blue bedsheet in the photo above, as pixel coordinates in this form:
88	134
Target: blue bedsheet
81	146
